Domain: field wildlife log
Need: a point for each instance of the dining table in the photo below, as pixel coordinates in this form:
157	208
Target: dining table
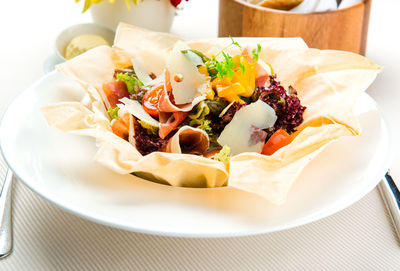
46	237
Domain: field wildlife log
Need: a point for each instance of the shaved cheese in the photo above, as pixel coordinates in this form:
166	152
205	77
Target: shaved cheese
193	81
142	74
136	109
238	133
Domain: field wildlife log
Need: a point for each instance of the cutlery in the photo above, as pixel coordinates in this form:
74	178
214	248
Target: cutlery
5	216
391	196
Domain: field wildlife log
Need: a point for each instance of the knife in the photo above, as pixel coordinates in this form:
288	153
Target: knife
391	196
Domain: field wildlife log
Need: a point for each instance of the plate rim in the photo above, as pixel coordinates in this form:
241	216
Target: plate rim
103	220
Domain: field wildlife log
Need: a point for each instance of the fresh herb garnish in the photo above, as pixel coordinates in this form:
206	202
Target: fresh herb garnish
235	43
242	67
113	112
256	52
224	67
132	82
272	69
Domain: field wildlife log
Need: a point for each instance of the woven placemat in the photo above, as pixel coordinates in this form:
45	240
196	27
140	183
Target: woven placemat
48	238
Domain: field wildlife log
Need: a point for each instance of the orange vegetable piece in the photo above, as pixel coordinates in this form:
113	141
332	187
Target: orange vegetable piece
278	140
120	126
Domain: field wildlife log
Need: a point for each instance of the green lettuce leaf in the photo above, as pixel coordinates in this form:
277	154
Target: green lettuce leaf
132	82
113	112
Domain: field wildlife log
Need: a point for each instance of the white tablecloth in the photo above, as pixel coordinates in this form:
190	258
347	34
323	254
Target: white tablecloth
360	237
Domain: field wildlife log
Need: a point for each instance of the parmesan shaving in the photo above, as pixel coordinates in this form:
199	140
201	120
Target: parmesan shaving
238	133
141	72
136	109
188	89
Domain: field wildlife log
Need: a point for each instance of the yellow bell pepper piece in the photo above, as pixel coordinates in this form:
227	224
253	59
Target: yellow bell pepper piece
209	91
203	70
231	92
241	84
246	79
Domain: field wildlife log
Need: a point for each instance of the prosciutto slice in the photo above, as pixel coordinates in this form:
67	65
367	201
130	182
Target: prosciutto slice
262	69
188	140
166	105
172	115
169	121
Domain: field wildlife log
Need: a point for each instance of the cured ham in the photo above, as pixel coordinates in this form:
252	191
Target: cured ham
166	105
169	121
114	91
171	115
188	140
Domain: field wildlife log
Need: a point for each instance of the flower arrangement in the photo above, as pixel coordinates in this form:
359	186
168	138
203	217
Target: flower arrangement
88	3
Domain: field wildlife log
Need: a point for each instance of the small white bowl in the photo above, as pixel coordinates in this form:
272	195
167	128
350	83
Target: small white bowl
71	32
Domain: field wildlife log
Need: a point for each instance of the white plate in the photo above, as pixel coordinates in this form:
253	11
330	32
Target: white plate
60	168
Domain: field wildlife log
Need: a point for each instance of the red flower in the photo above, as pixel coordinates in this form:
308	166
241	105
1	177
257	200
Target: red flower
175	3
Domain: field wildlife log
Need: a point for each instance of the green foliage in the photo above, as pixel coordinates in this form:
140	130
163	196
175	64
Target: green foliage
224	67
205	126
223	155
132	82
256	52
113	112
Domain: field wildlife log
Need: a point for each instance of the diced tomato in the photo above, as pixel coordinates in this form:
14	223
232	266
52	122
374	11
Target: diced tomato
115	91
151	99
278	140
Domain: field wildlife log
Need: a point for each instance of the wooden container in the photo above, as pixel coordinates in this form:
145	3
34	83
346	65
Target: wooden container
342	29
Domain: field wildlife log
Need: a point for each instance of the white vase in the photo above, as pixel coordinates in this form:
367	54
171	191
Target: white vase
151	14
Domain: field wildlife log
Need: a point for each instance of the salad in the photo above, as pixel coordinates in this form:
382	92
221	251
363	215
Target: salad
210	105
248	113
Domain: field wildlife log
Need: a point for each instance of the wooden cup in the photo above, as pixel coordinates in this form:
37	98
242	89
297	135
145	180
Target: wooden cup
342	29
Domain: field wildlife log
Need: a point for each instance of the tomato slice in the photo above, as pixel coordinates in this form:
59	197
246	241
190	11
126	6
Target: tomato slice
114	91
278	140
150	100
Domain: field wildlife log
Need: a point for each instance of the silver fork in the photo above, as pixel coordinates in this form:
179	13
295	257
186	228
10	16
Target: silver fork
6	239
391	197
